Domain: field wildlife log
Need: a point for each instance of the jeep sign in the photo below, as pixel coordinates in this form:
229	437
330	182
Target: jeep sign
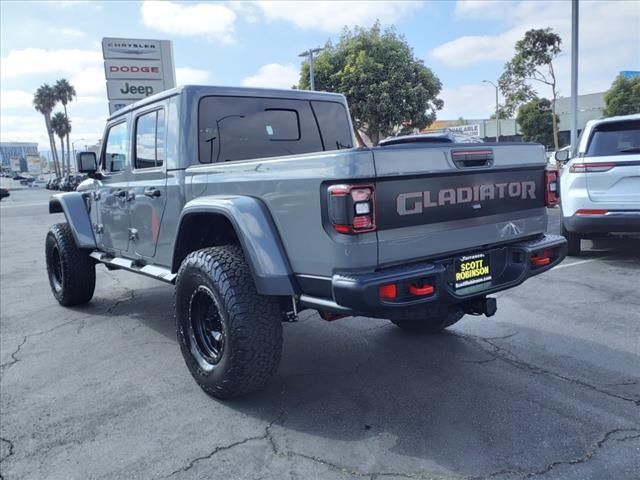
133	89
136	68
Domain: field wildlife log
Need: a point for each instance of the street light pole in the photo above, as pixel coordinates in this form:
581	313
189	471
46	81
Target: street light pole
574	78
309	53
497	109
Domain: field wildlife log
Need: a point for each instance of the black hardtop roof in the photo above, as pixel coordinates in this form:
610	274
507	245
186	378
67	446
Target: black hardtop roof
205	90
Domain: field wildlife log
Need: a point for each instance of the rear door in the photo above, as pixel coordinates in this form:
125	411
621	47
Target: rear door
612	163
437	200
148	185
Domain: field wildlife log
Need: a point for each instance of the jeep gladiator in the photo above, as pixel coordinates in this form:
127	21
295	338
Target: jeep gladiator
256	204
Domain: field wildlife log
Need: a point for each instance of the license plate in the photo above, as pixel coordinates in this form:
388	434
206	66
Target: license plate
472	270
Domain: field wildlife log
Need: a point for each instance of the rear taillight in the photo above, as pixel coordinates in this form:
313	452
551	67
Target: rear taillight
551	188
352	208
591	167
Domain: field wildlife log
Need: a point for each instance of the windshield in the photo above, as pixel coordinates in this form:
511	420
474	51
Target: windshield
615	138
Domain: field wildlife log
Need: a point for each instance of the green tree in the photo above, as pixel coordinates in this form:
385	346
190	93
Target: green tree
535	119
62	128
44	100
532	62
65	93
623	98
387	88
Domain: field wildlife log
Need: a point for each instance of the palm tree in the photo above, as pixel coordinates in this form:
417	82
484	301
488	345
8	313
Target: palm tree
62	127
65	93
43	101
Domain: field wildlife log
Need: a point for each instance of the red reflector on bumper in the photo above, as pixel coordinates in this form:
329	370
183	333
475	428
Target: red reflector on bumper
421	291
590	211
388	292
540	261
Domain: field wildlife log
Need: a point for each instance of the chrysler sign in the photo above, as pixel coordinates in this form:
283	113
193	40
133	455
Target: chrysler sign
136	68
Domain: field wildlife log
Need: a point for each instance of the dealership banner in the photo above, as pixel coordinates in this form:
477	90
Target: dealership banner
136	68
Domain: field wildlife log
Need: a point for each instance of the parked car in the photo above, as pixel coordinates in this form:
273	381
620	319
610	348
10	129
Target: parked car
600	188
444	136
262	208
4	193
17	176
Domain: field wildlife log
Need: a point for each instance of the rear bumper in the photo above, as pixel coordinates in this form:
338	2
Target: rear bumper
620	221
510	266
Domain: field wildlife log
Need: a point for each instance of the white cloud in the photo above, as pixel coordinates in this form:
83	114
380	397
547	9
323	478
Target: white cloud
273	75
215	21
468	101
35	61
13	99
70	32
472	49
90	81
191	76
333	16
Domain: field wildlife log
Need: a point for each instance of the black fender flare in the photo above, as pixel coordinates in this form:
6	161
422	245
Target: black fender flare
258	238
74	207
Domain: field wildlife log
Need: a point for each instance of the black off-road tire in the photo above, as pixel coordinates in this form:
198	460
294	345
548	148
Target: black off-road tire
573	242
230	336
72	272
431	325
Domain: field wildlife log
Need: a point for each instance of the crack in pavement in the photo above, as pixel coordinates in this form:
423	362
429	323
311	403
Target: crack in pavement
583	459
512	359
81	320
11	452
14	359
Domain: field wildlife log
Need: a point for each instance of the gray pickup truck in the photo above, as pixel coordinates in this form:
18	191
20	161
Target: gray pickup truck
257	205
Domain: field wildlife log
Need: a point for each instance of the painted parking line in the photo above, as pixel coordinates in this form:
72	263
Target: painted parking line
581	262
18	205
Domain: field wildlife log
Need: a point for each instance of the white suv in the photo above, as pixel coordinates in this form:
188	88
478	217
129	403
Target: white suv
600	187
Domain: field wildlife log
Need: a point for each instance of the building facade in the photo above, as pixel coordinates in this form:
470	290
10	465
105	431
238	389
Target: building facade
16	150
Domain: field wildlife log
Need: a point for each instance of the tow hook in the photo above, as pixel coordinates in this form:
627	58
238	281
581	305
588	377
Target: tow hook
482	306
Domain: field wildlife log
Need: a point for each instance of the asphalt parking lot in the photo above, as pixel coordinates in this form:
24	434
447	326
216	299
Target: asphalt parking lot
548	388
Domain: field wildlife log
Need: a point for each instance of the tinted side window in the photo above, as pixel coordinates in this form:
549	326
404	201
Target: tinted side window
334	125
117	148
150	131
615	138
233	128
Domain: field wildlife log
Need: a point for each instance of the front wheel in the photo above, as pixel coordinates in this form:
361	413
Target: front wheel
72	272
230	336
431	325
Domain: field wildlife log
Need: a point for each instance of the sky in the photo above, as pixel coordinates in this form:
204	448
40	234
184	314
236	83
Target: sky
257	44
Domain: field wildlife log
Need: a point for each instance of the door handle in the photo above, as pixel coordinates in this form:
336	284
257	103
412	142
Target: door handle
152	192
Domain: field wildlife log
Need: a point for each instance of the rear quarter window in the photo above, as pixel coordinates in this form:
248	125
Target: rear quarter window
242	128
615	138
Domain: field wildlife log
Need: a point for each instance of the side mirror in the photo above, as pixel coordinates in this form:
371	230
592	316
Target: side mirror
86	162
562	156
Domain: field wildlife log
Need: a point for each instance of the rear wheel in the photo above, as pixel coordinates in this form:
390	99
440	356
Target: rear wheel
573	242
230	336
72	272
431	325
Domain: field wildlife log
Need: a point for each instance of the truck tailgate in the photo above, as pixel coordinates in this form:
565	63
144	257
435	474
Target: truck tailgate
433	201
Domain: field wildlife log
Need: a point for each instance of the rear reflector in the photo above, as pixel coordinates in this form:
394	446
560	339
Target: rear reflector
591	211
388	292
591	167
421	291
540	261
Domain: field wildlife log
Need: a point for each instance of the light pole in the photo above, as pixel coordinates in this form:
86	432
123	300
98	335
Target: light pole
309	53
497	106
